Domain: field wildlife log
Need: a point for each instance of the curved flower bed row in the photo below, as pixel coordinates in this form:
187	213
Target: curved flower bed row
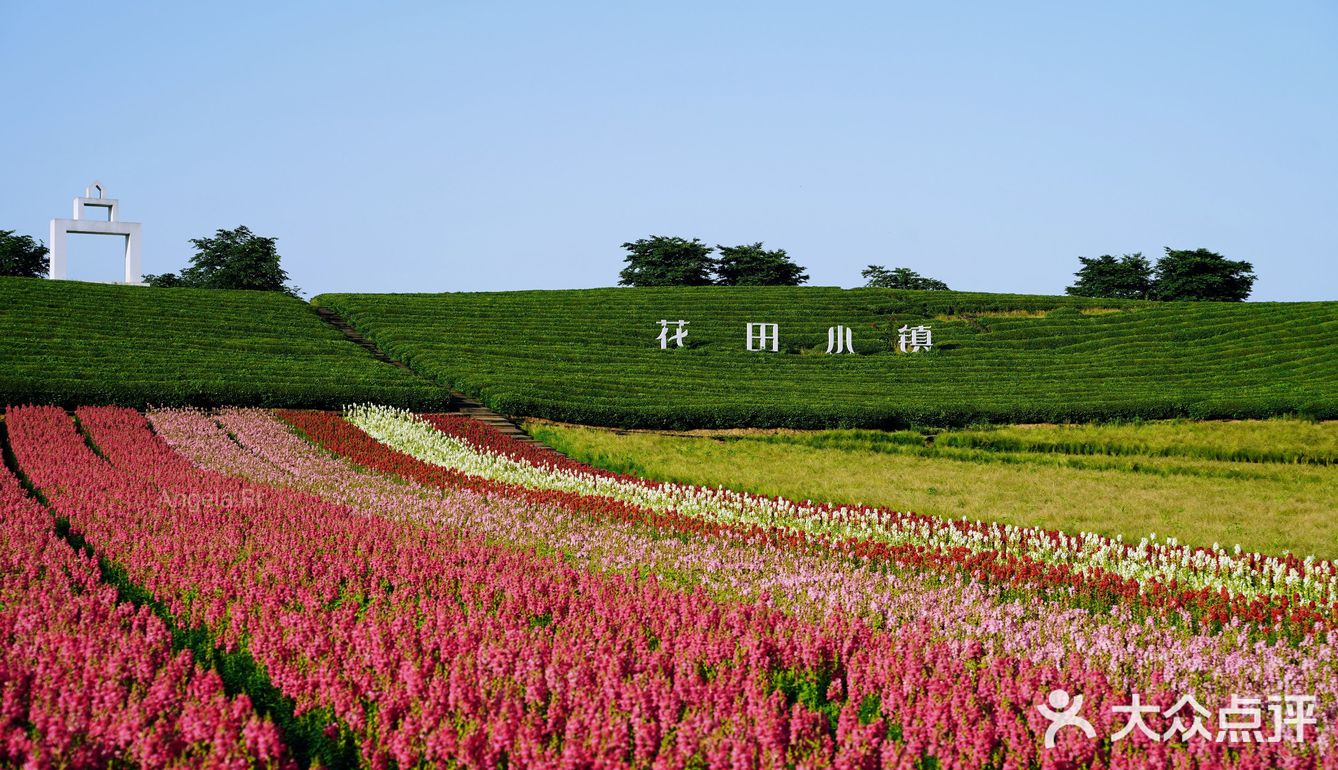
1214	585
1087	588
1133	655
427	645
811	583
431	647
86	682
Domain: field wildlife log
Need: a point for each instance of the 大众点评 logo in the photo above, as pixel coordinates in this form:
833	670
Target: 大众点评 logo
1243	720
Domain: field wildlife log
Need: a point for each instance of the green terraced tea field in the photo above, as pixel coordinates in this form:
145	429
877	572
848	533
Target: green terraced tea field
592	356
70	343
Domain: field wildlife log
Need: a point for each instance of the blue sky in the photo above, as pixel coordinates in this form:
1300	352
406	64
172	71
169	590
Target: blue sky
462	146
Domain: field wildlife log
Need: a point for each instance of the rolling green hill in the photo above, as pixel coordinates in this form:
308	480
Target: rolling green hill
592	356
83	343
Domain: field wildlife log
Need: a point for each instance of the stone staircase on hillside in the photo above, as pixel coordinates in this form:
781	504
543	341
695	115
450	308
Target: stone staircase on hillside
471	408
337	321
459	401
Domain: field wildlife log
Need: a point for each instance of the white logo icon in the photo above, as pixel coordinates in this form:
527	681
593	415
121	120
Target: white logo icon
1063	712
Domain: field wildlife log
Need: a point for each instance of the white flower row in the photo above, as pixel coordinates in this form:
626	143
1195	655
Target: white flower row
1237	572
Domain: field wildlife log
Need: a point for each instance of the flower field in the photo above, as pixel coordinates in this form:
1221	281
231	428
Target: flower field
1264	589
420	591
88	682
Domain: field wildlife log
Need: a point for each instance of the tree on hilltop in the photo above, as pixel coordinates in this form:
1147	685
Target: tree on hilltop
752	265
21	256
1197	274
232	259
879	277
1202	275
667	261
1126	277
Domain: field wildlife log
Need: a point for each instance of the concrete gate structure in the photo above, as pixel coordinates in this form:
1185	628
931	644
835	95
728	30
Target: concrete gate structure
112	225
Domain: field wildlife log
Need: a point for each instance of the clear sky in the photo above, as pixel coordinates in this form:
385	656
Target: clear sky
447	146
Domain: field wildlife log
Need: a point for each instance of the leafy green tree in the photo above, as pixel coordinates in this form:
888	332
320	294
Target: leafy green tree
21	256
879	277
232	259
1202	275
752	265
667	261
1126	277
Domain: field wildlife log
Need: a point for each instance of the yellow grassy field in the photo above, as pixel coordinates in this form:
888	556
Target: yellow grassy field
1130	480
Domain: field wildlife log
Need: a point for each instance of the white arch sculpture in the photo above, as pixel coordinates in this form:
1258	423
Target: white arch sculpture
112	225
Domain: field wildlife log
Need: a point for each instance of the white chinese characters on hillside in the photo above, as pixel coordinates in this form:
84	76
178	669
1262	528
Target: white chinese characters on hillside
916	338
677	337
82	224
760	334
840	340
761	337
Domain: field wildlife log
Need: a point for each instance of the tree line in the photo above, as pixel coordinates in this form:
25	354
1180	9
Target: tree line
1181	274
240	259
672	261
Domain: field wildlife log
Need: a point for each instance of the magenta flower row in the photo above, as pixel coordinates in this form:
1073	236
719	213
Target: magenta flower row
87	682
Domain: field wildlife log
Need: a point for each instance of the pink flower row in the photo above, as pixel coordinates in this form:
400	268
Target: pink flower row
87	682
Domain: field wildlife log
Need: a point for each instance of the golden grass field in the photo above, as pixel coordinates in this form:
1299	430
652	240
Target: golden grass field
1267	485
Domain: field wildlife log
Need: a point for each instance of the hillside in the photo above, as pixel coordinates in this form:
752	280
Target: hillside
73	343
592	356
